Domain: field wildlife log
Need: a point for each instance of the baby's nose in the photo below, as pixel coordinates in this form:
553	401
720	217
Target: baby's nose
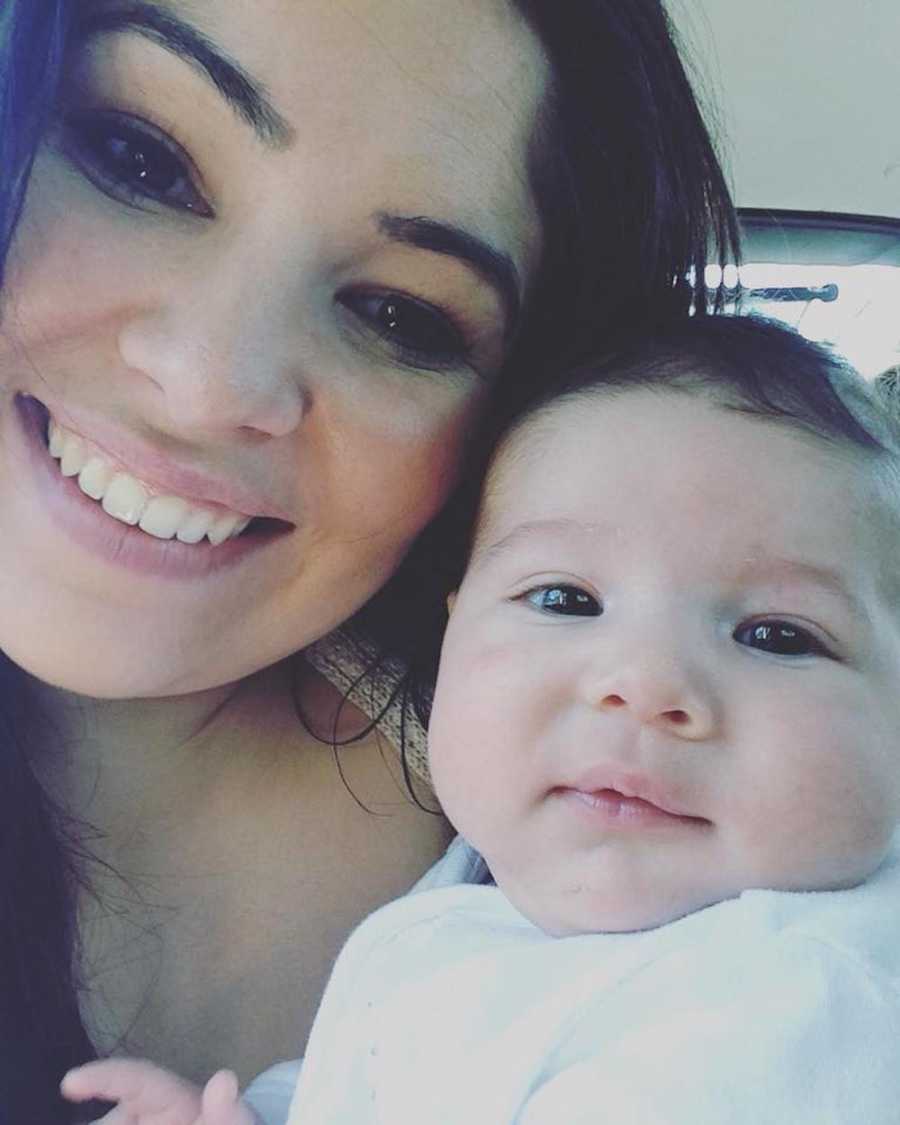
676	716
656	691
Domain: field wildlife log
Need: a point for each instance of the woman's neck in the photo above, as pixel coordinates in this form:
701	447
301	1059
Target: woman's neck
118	764
121	765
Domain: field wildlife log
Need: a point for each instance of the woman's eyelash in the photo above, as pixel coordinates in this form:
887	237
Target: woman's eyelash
131	160
422	334
781	638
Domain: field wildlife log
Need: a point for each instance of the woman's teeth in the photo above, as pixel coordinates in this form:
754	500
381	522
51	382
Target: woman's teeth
127	499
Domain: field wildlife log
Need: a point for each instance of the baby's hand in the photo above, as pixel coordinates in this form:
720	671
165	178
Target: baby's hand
148	1095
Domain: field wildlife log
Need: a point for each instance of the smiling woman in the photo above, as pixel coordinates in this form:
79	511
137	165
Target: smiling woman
369	332
267	266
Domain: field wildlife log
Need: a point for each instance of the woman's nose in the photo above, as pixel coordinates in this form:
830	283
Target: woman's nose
658	691
219	358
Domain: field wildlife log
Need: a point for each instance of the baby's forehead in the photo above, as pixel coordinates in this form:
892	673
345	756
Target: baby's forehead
545	431
860	483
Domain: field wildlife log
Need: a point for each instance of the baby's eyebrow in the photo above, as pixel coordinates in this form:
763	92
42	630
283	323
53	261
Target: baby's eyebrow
560	527
827	579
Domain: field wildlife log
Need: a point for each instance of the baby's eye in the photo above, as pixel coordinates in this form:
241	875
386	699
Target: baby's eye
132	161
422	334
568	601
782	638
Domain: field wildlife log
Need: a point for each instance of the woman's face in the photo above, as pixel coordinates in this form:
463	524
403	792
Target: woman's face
267	266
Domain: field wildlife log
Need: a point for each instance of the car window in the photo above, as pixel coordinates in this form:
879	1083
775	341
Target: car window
835	278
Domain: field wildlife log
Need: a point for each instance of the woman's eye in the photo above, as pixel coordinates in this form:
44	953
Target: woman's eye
131	161
779	637
422	334
567	601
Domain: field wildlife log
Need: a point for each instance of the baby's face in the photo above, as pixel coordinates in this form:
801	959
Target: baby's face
671	672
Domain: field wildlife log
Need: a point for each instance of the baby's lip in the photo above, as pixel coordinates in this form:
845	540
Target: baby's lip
630	783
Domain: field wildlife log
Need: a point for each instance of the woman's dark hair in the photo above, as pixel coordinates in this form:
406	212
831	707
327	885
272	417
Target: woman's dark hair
32	41
633	205
41	1031
632	198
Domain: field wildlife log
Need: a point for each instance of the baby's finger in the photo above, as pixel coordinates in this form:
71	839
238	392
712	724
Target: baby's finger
117	1116
220	1101
138	1086
109	1079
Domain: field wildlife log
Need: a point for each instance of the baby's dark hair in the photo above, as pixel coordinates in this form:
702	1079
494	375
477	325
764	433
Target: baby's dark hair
887	387
747	364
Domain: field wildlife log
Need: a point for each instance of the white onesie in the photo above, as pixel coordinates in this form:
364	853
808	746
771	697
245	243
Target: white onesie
447	1007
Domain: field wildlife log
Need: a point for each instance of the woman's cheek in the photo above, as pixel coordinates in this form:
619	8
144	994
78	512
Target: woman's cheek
397	460
74	264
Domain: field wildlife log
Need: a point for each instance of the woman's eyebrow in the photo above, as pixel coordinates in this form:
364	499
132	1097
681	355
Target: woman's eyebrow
494	266
245	94
248	98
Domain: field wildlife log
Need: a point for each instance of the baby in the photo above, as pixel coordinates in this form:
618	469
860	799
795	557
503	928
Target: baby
668	710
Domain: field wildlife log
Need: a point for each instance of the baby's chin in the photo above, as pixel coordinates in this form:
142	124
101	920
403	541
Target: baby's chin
581	911
594	910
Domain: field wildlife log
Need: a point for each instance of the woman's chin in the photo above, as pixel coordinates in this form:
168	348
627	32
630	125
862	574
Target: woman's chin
96	680
120	664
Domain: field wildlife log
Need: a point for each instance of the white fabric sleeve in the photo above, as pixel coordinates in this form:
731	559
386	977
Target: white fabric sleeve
330	1092
269	1095
807	1037
460	863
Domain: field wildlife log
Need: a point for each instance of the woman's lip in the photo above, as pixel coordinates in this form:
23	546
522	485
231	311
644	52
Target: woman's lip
163	472
61	502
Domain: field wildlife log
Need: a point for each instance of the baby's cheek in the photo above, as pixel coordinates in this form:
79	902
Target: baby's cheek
825	808
466	745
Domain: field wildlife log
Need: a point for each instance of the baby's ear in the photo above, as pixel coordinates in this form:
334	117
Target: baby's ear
451	601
